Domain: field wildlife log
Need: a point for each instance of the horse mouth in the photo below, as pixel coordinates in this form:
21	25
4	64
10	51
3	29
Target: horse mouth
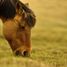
23	53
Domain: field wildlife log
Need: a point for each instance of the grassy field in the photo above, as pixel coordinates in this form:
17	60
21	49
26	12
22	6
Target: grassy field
49	37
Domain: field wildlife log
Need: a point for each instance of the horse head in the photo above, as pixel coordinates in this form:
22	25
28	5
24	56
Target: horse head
17	31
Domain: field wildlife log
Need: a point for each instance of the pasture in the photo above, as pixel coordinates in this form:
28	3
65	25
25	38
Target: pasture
49	37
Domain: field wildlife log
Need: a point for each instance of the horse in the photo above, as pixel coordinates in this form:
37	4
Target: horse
17	31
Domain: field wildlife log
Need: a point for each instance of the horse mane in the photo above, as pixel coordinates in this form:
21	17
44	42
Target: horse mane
30	16
8	8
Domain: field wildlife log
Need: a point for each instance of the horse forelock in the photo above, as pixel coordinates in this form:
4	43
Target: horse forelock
30	18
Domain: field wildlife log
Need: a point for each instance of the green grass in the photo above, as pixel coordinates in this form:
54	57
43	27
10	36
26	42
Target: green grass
49	38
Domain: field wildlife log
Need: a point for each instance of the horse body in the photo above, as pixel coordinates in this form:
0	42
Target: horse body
8	8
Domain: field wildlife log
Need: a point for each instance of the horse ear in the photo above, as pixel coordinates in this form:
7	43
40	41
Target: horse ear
27	4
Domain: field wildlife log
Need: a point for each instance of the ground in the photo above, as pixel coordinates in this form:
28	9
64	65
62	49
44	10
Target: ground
49	37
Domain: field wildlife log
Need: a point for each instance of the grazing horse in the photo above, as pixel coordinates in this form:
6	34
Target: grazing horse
17	30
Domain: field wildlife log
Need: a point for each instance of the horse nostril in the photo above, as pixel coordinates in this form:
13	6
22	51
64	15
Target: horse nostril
17	53
26	54
23	27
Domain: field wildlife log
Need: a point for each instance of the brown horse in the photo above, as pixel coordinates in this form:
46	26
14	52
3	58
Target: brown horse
17	31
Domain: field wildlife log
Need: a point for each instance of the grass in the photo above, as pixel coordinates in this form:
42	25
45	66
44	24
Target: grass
49	37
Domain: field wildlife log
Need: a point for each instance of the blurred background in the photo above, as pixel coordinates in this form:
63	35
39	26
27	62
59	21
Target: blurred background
49	37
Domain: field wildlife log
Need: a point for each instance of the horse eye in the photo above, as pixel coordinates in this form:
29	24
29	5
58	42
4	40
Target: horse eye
23	27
